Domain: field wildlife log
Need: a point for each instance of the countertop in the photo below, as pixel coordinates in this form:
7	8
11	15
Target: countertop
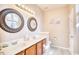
22	44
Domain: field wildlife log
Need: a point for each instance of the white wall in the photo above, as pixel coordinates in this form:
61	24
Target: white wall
6	36
56	23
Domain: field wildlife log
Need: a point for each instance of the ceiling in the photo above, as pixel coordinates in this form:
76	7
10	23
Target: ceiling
47	7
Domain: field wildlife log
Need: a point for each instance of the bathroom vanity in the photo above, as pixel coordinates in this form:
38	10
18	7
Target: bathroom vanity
33	46
35	49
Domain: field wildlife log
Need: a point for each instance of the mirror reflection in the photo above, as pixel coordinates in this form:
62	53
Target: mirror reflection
33	24
12	20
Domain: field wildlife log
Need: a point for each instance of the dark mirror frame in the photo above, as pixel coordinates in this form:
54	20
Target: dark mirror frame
3	24
29	26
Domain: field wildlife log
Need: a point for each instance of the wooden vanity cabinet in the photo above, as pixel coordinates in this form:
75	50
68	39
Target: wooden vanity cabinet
36	49
40	48
44	42
31	50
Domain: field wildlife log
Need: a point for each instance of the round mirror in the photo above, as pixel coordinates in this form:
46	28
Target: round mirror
32	24
11	20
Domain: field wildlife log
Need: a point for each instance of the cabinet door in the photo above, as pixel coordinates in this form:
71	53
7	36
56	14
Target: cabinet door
31	50
44	44
40	48
44	41
20	53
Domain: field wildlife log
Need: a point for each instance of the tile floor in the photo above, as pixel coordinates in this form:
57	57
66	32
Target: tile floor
57	51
